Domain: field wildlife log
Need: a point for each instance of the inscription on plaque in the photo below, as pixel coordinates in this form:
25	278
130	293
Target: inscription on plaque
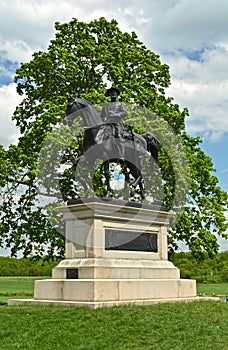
130	240
72	273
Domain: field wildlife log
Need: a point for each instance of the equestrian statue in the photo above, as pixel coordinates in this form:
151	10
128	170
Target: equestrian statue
105	137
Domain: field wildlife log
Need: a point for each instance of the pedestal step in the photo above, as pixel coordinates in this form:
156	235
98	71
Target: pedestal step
99	304
103	290
116	269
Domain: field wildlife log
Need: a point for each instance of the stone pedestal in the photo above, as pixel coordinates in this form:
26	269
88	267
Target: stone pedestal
116	253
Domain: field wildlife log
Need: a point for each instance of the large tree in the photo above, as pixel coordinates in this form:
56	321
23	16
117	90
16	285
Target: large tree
80	61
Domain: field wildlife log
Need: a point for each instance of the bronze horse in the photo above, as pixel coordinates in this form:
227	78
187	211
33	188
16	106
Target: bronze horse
100	142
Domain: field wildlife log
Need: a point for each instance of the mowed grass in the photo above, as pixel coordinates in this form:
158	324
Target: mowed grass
197	325
171	326
16	287
217	289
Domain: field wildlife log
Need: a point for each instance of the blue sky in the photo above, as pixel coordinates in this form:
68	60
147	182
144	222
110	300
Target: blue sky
190	36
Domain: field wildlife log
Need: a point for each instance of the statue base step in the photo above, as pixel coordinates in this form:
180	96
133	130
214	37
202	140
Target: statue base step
110	268
110	292
99	304
100	290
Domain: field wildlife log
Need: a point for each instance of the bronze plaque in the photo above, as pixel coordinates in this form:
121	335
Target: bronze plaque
130	240
72	273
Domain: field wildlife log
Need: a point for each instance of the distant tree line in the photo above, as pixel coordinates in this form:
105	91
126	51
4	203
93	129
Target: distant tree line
26	266
205	271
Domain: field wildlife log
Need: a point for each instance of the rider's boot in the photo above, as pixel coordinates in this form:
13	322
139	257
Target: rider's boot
121	151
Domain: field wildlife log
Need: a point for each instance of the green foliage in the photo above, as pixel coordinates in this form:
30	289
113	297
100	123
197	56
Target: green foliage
26	266
207	270
81	58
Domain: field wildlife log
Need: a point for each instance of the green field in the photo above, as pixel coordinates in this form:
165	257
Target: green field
23	287
16	287
188	326
213	289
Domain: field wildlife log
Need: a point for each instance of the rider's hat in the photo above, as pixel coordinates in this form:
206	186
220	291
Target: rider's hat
111	89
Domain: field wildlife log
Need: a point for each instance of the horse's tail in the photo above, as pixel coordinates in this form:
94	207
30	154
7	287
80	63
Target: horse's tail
152	144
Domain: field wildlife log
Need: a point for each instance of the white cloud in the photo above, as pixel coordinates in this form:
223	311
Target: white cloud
202	86
30	24
8	102
16	50
207	103
187	23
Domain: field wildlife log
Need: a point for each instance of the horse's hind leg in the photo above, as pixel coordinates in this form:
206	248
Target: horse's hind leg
139	183
142	190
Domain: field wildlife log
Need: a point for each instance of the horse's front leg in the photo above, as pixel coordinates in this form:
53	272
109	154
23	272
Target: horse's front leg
78	176
107	180
126	173
135	184
142	190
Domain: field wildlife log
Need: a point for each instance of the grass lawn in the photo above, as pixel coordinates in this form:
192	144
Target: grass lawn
16	287
187	326
216	289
